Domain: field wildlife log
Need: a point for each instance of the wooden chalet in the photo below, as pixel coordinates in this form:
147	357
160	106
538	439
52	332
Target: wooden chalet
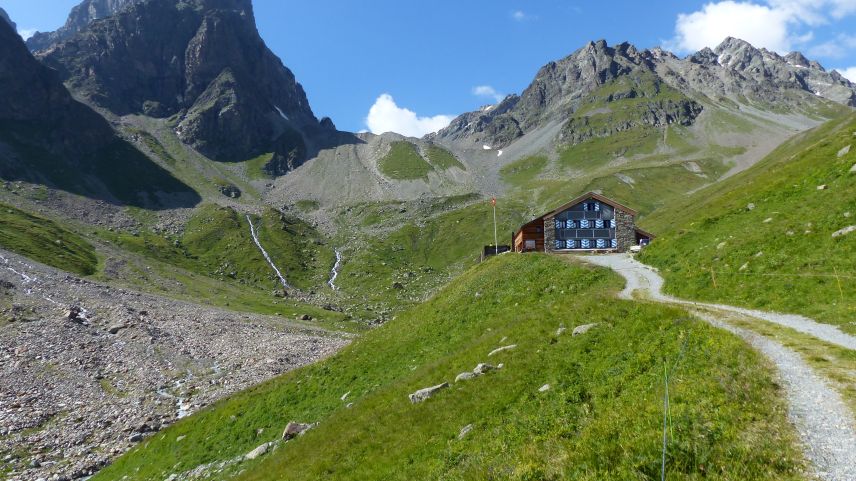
591	222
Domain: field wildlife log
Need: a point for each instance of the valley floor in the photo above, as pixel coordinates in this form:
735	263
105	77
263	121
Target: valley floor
825	425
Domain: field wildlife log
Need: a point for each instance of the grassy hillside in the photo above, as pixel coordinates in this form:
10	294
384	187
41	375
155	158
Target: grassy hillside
763	238
217	243
601	417
403	162
398	267
45	241
442	158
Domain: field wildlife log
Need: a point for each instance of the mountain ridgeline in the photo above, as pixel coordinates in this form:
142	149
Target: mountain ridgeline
203	65
665	90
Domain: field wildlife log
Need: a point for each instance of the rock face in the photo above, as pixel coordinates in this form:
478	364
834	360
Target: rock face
79	18
33	94
46	136
203	64
584	91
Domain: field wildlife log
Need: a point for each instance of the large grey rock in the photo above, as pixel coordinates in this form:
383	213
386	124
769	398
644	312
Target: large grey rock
482	368
844	231
464	376
844	151
464	431
259	451
425	393
293	429
584	328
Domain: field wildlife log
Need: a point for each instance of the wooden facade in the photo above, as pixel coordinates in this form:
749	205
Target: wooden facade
530	237
591	222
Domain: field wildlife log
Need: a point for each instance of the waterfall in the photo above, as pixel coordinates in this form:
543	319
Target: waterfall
335	272
264	253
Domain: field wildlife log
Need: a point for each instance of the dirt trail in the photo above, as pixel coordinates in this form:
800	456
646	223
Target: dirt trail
825	425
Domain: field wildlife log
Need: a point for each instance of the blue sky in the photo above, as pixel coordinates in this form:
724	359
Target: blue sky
413	65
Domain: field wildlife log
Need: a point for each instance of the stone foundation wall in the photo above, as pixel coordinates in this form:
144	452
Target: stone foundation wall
625	230
549	233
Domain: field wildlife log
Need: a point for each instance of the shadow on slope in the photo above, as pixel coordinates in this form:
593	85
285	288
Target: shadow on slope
114	172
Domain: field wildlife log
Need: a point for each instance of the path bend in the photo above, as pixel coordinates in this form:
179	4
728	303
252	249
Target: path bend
825	425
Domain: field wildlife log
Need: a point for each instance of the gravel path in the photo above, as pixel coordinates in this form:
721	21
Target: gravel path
824	423
641	277
821	418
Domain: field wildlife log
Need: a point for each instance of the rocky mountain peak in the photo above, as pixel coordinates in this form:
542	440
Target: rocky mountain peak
673	90
200	63
79	18
5	16
797	59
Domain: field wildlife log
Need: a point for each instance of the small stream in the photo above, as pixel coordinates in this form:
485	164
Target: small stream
335	272
264	253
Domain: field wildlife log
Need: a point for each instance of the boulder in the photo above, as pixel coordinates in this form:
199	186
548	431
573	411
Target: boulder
464	376
262	449
750	206
465	430
853	169
843	152
500	349
844	231
544	388
584	328
482	368
230	190
114	329
425	393
561	331
822	187
75	314
293	429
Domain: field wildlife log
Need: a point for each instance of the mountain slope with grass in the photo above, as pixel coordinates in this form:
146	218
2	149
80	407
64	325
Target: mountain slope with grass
643	125
780	236
600	414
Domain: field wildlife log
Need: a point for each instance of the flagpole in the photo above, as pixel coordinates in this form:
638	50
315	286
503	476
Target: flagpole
495	238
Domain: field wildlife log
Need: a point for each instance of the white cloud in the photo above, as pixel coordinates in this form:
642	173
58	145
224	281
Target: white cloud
26	33
778	25
715	21
487	91
386	116
521	16
840	47
848	73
